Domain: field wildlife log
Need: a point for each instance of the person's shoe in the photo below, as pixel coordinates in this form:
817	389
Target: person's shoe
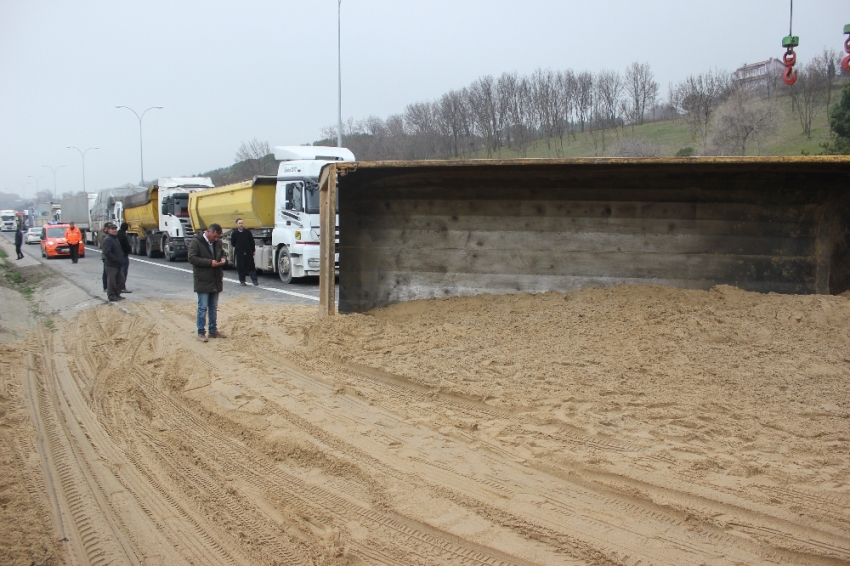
120	298
126	291
217	335
256	284
243	283
202	337
115	299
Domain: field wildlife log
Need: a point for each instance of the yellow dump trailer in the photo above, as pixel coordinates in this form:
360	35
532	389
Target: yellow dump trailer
252	201
417	230
141	213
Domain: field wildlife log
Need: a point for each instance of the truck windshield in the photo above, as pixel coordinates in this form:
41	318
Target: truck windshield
7	218
181	206
312	190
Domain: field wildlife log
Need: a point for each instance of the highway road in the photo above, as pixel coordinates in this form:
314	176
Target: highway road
158	278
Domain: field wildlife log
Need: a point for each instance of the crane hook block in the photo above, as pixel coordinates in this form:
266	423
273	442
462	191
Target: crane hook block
790	41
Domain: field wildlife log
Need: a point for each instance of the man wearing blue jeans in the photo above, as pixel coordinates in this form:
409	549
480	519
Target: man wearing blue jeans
208	261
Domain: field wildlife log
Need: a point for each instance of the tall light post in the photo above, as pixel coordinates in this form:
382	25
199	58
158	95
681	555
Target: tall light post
36	185
141	155
83	155
339	70
54	177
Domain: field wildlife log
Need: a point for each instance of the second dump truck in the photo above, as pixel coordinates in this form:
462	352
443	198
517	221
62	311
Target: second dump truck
158	218
282	212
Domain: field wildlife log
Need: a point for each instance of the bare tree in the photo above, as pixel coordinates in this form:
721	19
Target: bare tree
254	149
809	94
566	91
584	98
743	119
697	97
828	62
483	101
251	159
455	122
609	90
641	90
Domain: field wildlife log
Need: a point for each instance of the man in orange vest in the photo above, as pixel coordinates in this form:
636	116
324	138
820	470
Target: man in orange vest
73	237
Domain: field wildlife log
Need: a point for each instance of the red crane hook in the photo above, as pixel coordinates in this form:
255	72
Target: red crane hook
790	75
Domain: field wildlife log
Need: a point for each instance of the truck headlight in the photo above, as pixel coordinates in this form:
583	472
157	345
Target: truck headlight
313	262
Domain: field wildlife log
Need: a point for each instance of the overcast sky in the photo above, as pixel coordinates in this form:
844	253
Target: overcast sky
227	71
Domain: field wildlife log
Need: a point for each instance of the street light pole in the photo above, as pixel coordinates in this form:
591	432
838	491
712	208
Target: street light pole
54	177
36	185
141	155
83	155
339	70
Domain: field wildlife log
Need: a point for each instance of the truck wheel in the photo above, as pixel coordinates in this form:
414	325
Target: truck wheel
141	249
149	249
284	266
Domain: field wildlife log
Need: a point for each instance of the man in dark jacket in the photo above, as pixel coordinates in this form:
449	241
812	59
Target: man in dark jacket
125	247
113	258
243	243
208	261
19	240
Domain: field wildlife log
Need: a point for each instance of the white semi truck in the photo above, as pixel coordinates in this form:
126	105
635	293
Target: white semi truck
7	220
158	218
282	214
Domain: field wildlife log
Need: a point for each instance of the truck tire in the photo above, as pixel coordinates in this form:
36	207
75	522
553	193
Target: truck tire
141	248
284	266
148	248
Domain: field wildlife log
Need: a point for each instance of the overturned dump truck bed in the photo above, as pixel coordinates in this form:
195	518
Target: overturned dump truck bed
415	230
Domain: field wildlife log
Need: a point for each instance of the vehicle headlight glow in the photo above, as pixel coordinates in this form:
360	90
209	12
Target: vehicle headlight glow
51	243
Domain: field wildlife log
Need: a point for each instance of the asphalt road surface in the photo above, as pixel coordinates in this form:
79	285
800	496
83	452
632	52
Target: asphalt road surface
158	278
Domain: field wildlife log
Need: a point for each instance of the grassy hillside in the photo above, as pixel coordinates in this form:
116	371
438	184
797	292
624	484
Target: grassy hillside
670	136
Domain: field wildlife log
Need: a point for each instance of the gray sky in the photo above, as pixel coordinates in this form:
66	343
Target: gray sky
227	71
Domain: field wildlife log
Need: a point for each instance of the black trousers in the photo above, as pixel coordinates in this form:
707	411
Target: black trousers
18	251
75	252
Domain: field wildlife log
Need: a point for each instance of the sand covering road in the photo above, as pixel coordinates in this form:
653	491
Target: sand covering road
630	425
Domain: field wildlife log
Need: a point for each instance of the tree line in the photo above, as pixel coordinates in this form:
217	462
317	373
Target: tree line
520	112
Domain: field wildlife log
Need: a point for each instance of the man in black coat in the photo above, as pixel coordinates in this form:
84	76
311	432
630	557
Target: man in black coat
113	259
207	258
243	243
125	247
19	240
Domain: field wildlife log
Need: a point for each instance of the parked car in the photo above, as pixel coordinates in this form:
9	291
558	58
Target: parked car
53	242
33	235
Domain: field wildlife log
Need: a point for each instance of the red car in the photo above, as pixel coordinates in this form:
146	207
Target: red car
53	242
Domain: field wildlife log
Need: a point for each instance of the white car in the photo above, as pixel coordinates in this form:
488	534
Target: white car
33	235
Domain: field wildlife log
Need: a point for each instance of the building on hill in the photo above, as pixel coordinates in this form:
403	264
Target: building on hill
757	72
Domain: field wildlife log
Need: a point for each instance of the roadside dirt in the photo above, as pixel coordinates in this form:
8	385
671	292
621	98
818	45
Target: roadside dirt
632	425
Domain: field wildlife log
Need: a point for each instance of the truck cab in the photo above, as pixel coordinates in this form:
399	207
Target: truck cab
295	238
7	220
175	226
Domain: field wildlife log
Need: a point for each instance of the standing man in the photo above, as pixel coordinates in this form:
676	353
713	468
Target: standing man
19	240
73	237
125	247
243	242
208	261
113	258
